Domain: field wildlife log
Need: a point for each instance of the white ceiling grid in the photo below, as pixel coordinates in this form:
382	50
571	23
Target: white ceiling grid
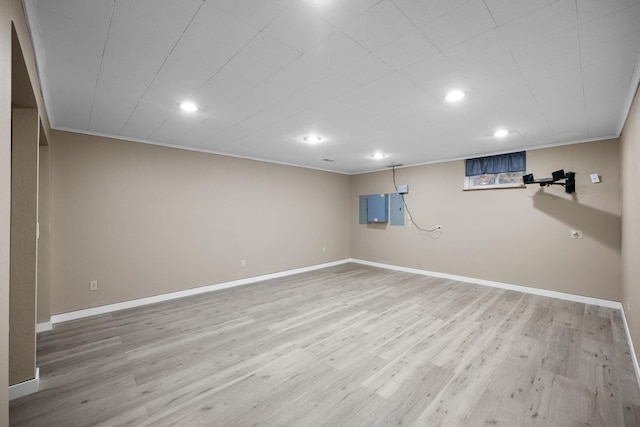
366	75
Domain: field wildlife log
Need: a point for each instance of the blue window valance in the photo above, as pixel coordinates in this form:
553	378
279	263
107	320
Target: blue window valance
512	162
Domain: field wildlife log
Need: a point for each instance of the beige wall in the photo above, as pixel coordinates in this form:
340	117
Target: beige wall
44	254
516	236
145	220
5	203
631	222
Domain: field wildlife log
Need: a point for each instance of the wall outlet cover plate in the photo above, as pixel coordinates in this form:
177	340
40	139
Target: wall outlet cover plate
594	178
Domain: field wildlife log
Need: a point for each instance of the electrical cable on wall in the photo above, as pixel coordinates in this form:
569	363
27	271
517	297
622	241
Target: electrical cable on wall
406	207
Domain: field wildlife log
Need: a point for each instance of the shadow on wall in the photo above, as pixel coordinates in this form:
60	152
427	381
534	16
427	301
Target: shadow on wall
602	226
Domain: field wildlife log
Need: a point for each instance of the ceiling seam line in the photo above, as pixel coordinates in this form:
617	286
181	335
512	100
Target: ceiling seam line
104	49
258	32
161	66
584	95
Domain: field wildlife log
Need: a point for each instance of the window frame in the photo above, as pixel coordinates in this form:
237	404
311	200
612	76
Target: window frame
469	184
498	171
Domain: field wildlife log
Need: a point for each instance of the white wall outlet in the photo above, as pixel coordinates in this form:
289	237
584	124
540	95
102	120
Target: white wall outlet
595	178
576	234
93	285
243	263
324	249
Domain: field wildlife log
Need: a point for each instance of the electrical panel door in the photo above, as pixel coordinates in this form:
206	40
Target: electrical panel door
378	208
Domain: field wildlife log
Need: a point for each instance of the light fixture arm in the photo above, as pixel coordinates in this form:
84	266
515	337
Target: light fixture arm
569	178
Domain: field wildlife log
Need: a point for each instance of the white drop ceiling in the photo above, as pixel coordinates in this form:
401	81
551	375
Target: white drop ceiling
365	75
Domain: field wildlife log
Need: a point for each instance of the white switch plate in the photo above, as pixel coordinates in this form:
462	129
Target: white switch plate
93	285
595	178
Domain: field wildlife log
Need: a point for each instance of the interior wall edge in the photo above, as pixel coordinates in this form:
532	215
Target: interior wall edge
25	388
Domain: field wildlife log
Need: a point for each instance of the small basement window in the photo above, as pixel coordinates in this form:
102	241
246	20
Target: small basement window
500	171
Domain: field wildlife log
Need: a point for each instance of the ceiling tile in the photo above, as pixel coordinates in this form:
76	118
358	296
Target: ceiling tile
276	88
326	89
379	26
340	13
504	11
407	50
546	48
421	12
337	51
76	24
299	27
461	24
256	62
605	101
616	27
258	13
619	54
212	39
72	108
592	9
555	78
367	70
111	109
483	57
147	117
204	139
129	64
432	68
178	125
556	17
508	88
390	85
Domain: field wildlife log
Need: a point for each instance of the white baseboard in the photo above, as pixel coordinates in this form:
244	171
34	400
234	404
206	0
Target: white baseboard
483	282
44	327
79	314
632	350
25	388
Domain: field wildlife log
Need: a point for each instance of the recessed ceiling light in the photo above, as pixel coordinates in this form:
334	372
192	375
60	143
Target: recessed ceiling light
501	133
189	107
312	139
378	156
455	96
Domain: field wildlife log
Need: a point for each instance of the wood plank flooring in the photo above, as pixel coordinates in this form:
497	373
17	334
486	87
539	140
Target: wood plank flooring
344	346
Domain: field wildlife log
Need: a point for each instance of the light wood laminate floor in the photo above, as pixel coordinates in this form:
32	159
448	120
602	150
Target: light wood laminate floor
343	346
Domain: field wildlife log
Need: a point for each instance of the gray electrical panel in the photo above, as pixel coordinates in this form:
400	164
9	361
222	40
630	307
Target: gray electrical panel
378	208
396	209
363	210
